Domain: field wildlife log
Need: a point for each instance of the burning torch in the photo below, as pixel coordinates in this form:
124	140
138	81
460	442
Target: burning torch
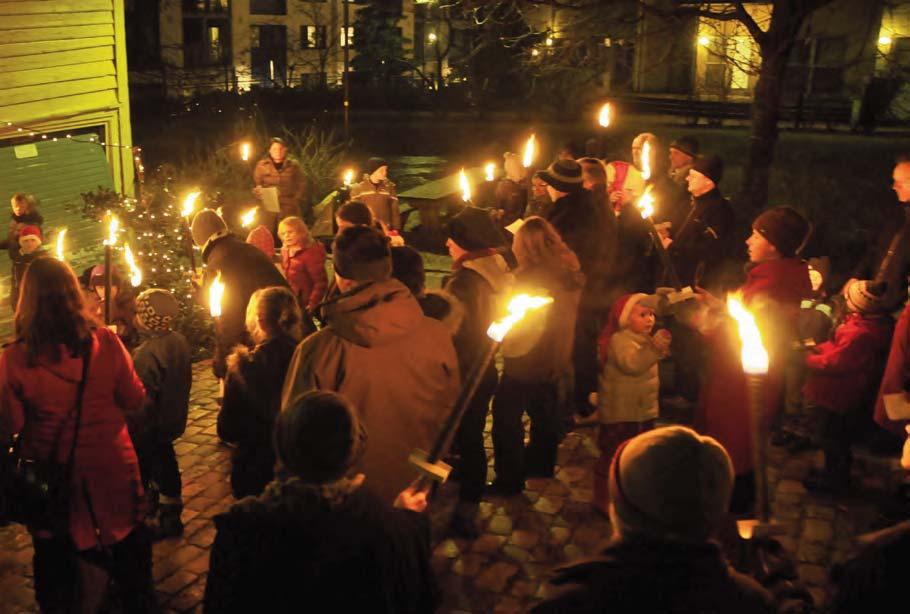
245	152
247	219
113	226
646	207
465	186
604	118
189	206
135	271
59	251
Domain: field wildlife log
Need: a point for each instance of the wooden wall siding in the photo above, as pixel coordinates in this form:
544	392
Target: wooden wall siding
57	58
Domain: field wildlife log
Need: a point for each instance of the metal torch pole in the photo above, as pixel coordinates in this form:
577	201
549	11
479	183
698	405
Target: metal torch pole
669	269
759	449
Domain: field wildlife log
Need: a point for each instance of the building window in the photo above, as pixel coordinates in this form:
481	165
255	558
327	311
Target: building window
268	7
313	37
206	42
205	6
345	37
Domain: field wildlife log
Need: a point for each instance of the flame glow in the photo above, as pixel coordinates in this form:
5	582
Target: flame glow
216	294
646	160
518	307
60	235
247	219
113	226
754	356
489	170
189	204
135	272
465	186
245	152
603	118
348	176
646	204
528	158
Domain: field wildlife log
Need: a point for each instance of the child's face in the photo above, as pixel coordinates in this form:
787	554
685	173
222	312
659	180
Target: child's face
760	249
641	320
290	237
29	244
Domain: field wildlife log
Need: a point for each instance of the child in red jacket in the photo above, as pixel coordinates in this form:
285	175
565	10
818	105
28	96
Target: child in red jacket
303	263
843	378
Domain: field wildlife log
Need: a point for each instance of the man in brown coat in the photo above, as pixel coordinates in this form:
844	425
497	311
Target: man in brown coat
279	171
397	366
378	193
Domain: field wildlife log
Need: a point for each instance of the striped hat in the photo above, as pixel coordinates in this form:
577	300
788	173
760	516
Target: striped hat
562	175
864	296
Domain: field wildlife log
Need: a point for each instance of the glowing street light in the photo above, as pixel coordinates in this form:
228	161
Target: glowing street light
603	118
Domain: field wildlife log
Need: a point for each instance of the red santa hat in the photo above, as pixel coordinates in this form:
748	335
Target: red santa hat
619	317
31	231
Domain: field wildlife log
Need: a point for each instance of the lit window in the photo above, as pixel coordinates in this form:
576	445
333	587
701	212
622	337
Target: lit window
312	37
345	37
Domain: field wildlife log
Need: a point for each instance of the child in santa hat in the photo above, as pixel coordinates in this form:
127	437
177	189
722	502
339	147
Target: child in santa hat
30	240
628	386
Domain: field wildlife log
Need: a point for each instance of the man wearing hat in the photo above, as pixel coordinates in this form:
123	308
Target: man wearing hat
683	152
480	277
278	170
377	192
244	269
669	491
396	365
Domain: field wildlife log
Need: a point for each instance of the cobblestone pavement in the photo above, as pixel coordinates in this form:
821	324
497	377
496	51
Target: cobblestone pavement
523	537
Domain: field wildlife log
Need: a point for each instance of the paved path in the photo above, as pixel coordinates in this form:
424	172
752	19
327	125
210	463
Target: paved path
523	538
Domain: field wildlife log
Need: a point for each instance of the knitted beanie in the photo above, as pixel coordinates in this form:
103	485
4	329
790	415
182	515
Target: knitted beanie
710	166
670	484
361	253
156	308
205	224
473	229
30	231
563	175
261	237
407	267
785	228
319	437
374	164
686	144
864	296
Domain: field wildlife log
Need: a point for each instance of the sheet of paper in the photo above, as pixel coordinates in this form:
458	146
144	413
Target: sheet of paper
269	198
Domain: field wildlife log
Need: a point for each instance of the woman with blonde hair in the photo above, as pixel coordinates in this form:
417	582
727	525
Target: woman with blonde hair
537	359
303	262
252	387
64	388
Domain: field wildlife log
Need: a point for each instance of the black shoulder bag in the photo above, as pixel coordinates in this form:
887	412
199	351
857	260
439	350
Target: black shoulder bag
37	491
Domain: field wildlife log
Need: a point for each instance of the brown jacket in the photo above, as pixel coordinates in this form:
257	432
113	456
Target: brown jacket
380	198
396	366
290	181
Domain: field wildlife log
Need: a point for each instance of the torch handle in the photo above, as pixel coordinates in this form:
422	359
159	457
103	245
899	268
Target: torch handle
664	256
107	284
759	448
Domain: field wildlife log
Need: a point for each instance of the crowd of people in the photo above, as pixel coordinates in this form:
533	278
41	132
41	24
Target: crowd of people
330	385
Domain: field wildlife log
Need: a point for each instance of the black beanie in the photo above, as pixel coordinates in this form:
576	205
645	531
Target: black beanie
473	229
361	253
686	144
374	164
785	228
407	267
710	166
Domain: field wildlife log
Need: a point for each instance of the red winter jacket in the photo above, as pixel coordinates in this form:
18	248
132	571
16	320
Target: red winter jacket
38	401
844	373
305	272
897	375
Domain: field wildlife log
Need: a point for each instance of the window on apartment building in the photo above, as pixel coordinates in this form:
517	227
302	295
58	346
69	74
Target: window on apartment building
268	7
205	6
900	48
206	41
313	37
346	37
828	65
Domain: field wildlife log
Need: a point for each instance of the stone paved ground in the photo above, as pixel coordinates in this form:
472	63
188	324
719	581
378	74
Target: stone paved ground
524	537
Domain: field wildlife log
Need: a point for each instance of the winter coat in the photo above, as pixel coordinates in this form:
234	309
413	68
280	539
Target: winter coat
123	314
581	226
252	400
244	269
17	223
772	292
629	578
163	363
539	348
395	365
628	384
844	373
511	199
38	401
703	239
381	198
20	266
443	306
290	181
305	272
889	259
293	550
896	378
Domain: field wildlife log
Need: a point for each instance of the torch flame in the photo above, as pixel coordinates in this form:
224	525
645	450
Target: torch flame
490	170
348	176
603	117
189	204
113	226
528	159
245	152
518	307
60	236
216	293
465	186
646	160
135	272
754	357
246	220
646	204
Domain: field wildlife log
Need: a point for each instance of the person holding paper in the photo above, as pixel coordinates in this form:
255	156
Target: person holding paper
278	175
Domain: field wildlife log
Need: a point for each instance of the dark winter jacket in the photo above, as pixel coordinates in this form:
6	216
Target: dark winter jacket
163	362
16	223
631	578
844	373
244	269
395	365
381	198
305	272
889	259
580	224
896	379
703	239
252	400
294	549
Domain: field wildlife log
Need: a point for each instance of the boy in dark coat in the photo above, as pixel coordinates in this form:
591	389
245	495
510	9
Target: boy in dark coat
163	364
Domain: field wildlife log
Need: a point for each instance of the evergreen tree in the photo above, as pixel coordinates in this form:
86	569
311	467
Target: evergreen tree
379	42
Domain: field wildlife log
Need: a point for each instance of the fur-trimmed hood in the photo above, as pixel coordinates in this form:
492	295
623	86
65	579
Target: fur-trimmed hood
443	306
